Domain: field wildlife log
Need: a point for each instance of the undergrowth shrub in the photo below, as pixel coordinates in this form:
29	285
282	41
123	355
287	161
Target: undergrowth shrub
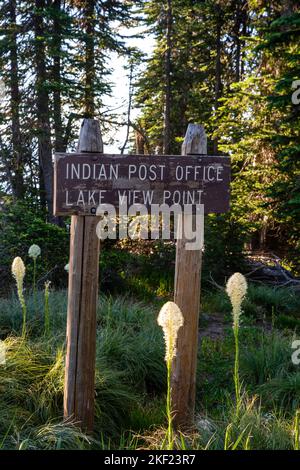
22	225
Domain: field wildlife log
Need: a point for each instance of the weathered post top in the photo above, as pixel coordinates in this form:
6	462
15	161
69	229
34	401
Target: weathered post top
90	139
195	140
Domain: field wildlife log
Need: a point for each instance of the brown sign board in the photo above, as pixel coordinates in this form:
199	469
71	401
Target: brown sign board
84	181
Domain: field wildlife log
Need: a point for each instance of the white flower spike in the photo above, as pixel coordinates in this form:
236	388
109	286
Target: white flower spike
34	251
236	288
170	319
18	271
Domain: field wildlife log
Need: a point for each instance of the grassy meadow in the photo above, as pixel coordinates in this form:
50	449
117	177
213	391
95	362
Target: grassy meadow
131	379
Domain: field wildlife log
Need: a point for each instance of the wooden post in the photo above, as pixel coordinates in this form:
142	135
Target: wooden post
187	297
82	303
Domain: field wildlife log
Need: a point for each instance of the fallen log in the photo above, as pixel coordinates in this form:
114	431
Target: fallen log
269	270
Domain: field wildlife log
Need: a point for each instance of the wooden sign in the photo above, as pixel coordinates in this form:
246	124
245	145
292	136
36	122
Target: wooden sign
83	181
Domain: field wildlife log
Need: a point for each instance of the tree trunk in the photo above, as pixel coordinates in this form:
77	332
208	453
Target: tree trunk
237	57
243	54
17	180
240	30
89	103
130	95
42	105
56	75
218	70
167	110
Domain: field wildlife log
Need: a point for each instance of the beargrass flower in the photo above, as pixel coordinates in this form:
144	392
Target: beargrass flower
170	319
18	271
34	251
2	353
297	430
236	288
67	267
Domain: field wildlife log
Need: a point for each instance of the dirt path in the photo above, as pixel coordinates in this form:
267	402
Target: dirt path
212	326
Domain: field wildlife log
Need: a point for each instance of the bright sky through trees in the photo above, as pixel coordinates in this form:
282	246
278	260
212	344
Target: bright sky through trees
119	78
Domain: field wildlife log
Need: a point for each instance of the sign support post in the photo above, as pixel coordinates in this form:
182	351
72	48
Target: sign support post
82	302
187	289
